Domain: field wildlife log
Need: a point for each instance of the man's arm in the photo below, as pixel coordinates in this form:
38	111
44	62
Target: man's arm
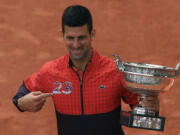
25	100
21	92
151	102
130	98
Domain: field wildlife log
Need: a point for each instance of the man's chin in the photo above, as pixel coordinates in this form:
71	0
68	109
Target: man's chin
76	57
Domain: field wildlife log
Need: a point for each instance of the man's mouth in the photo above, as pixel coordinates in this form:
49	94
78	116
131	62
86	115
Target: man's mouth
76	52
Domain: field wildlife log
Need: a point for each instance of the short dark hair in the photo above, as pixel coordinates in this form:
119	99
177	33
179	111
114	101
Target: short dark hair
77	15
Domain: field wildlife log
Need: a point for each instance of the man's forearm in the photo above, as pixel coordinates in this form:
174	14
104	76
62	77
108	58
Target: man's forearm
21	92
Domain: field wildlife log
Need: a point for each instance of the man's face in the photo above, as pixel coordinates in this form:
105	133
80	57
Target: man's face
78	41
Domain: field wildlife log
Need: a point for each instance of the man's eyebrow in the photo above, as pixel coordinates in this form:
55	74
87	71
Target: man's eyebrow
69	36
82	36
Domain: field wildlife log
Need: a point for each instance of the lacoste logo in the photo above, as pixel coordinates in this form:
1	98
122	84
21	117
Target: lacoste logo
102	87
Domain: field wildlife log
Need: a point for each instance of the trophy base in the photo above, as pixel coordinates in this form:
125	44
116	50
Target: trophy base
142	121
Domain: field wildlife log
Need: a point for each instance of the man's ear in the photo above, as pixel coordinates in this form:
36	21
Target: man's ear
62	34
93	32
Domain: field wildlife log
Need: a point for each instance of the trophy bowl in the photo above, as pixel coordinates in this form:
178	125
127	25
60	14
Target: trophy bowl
146	80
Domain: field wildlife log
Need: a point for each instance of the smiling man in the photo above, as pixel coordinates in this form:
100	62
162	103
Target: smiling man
86	87
78	42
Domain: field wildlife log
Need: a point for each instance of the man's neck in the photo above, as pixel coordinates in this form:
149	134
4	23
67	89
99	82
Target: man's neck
81	64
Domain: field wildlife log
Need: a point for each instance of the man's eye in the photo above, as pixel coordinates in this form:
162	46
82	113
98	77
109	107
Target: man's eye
69	38
81	37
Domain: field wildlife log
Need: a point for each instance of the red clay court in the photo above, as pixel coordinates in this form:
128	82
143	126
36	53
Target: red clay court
137	30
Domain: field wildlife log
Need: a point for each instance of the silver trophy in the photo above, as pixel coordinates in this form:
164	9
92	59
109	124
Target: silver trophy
146	80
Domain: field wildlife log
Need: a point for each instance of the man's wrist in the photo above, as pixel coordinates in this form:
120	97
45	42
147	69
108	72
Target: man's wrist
19	105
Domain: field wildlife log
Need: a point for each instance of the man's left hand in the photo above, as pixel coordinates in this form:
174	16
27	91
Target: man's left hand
151	102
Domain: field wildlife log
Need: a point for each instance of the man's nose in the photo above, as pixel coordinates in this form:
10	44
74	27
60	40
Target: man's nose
76	43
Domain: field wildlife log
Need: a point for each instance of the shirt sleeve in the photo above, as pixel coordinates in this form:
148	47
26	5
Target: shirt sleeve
127	96
38	80
34	81
21	92
130	98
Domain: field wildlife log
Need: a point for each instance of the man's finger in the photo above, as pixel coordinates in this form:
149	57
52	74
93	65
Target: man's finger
45	95
35	93
148	99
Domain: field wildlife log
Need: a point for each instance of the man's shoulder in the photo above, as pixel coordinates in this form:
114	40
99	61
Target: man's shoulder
102	59
106	61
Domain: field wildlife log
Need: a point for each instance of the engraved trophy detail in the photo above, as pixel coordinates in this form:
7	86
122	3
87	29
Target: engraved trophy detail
146	80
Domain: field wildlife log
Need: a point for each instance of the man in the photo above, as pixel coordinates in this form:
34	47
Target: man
86	87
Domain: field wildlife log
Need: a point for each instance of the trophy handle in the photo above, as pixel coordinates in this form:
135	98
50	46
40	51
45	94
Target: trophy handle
171	82
178	69
119	63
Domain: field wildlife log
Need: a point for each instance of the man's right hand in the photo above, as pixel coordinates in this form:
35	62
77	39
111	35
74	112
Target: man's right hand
33	101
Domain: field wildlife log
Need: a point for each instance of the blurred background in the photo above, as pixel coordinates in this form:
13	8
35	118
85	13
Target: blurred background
146	31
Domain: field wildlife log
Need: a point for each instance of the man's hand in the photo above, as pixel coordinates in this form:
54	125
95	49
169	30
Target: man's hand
33	101
151	102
